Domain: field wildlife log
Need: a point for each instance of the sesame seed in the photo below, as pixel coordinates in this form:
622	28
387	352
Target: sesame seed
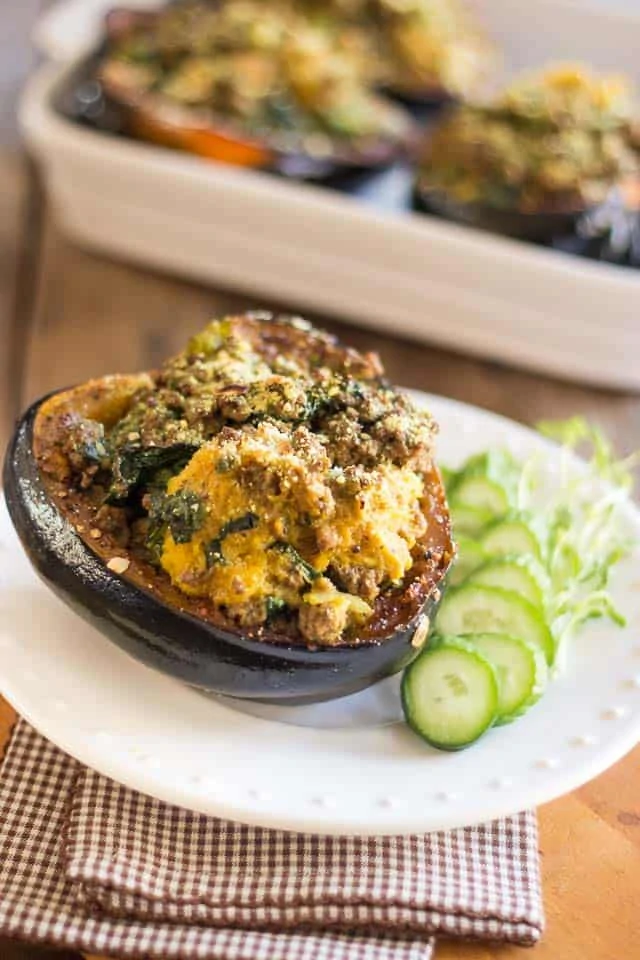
421	633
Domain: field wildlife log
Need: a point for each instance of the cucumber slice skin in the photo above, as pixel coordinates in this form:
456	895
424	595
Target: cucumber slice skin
509	536
521	670
510	573
429	694
474	608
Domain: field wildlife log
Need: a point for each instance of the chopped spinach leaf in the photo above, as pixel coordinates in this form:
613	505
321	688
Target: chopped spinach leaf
184	513
155	539
213	549
134	466
181	513
275	606
308	572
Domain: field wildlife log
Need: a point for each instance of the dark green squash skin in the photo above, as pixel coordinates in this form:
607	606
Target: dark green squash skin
167	639
538	226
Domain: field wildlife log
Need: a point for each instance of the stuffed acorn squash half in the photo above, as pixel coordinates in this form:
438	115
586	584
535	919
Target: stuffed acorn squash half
534	160
249	85
261	518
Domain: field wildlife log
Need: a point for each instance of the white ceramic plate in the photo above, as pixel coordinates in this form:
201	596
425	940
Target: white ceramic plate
350	766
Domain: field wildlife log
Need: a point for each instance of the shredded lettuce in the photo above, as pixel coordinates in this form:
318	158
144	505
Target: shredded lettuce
578	432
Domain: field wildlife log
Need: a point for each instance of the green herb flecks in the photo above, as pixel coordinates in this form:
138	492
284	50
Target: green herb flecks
275	607
182	514
213	549
308	572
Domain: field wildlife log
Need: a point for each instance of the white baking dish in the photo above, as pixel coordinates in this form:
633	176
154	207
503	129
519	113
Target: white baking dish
318	249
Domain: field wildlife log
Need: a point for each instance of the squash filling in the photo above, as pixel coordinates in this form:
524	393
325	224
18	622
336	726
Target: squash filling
266	472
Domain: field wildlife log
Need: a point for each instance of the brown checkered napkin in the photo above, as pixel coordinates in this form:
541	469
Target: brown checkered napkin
88	864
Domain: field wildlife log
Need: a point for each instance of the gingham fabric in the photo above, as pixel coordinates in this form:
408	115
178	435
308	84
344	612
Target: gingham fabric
91	865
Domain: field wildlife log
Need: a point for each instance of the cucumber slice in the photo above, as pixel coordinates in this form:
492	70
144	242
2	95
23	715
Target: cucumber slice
450	695
470	557
521	670
511	573
512	535
482	493
470	521
474	608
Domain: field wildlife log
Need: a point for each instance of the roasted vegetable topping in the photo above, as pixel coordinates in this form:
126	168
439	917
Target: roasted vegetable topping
271	71
270	473
409	46
430	45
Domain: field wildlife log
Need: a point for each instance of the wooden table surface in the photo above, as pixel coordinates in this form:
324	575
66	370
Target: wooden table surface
66	314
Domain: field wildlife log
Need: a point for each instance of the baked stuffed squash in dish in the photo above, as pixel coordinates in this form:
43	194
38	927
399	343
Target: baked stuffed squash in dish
249	83
262	517
429	50
533	160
